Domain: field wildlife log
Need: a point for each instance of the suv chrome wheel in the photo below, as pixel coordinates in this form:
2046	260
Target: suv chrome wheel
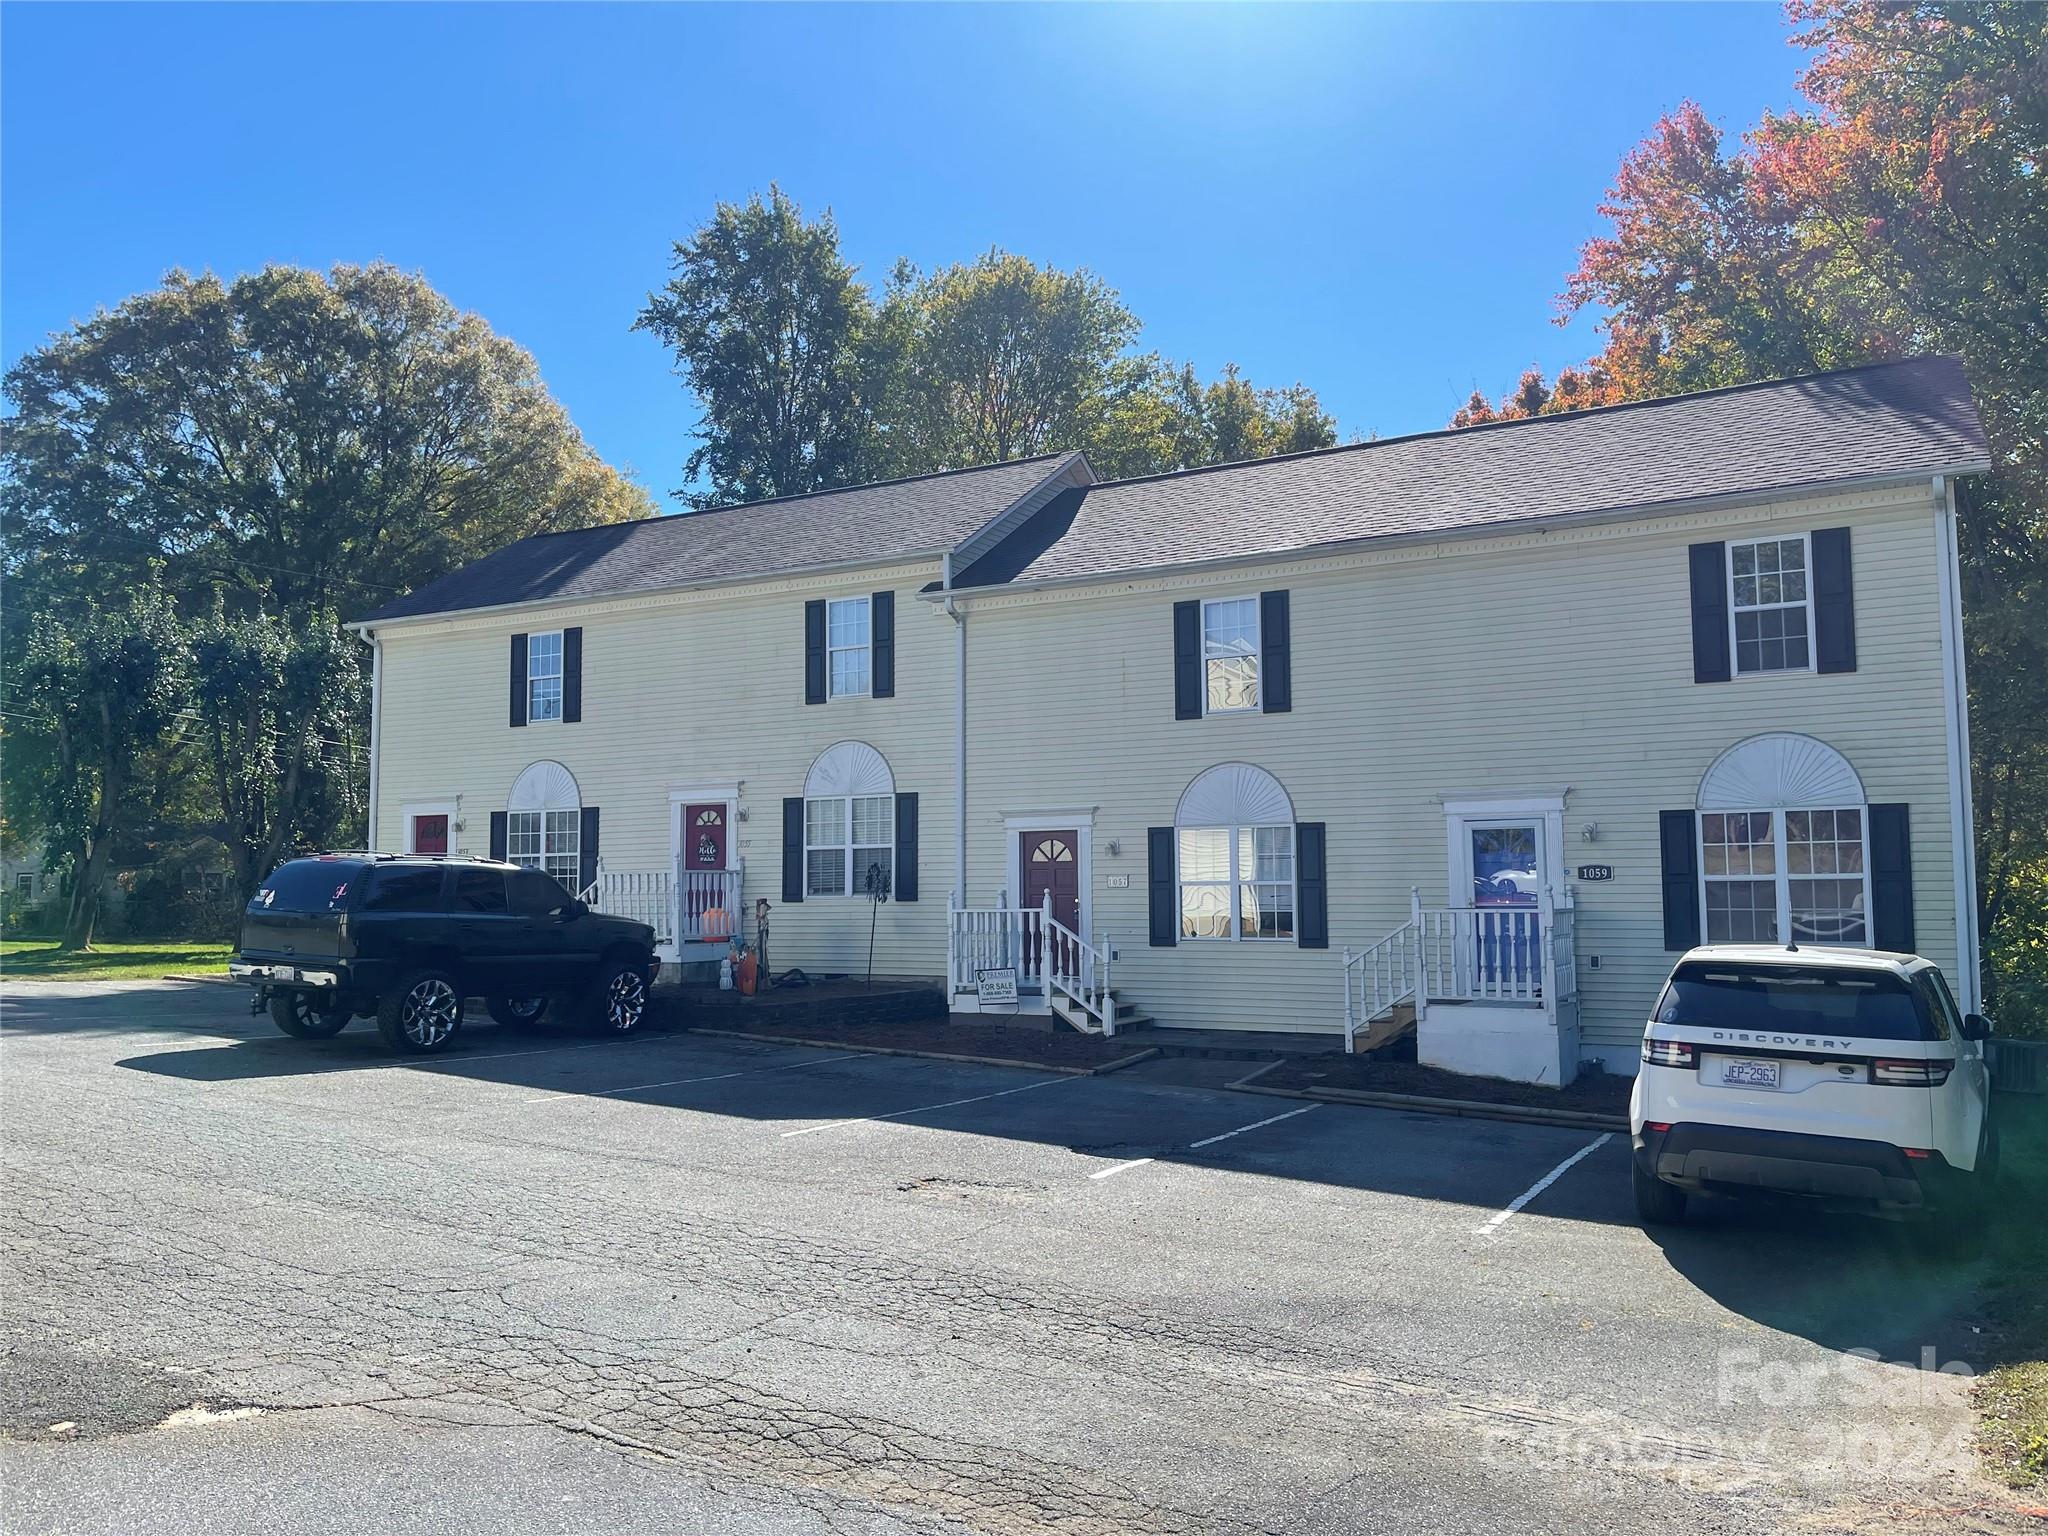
430	1013
625	1001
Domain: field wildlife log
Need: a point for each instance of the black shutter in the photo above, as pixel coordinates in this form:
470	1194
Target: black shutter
882	619
1709	566
1834	602
519	679
1276	659
906	848
572	675
814	652
1159	886
793	849
497	834
1679	847
1187	662
586	854
1312	930
1891	879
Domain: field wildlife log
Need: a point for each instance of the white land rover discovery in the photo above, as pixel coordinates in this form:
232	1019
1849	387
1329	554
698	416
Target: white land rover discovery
1844	1076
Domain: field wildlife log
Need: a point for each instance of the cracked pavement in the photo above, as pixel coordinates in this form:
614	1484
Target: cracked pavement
507	1291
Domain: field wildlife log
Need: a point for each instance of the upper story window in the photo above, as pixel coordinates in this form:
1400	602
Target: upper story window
1230	654
544	676
1771	605
849	647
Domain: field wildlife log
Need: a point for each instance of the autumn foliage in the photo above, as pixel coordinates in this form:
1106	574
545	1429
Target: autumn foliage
1904	211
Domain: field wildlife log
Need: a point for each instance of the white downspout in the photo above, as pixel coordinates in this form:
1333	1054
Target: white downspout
1955	697
959	732
376	732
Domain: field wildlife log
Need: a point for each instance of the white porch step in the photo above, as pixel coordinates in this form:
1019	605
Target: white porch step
1071	1012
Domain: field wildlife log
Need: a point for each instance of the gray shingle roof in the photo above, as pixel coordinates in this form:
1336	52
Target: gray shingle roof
1888	419
895	519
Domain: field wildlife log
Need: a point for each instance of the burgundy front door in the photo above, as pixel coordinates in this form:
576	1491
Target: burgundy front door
704	913
1051	863
703	837
430	834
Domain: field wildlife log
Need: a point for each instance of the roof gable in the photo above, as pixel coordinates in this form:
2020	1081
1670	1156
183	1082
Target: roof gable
861	525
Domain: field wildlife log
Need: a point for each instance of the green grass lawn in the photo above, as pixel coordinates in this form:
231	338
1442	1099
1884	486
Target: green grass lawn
2012	1399
139	960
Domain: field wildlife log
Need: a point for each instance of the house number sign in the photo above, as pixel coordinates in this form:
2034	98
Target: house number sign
1596	871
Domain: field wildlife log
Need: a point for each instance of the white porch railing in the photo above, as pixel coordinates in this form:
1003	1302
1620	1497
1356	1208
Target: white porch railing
995	939
695	906
644	896
1382	975
708	904
1078	970
1514	955
1048	957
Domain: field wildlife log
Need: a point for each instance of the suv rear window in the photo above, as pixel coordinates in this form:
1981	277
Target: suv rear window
404	888
306	885
1794	1000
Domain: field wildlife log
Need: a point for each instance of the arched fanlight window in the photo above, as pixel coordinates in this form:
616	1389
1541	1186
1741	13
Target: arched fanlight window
1784	844
1234	842
544	821
849	821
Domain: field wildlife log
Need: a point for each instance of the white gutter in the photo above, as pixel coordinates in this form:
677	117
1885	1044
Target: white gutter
1955	698
376	732
959	735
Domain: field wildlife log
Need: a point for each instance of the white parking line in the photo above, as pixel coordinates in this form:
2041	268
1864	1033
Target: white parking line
1493	1223
1207	1141
1108	1173
898	1114
677	1082
1255	1125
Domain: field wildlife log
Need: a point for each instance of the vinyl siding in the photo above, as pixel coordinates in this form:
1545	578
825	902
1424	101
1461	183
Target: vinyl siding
1515	666
698	687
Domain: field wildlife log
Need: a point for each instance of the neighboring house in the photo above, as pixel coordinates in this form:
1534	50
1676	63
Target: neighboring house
22	878
1487	722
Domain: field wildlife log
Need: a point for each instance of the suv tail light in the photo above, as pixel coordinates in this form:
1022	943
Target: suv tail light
1670	1053
1912	1074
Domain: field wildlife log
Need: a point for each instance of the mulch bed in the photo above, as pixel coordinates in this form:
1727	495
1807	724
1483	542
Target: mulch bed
1595	1093
995	1042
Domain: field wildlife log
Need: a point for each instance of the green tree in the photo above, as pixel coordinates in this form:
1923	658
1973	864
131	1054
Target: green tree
291	444
277	705
1905	212
766	321
110	683
1007	359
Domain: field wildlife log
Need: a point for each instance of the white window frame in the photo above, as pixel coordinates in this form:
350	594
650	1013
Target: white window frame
1805	541
25	885
1783	875
534	677
1236	883
1257	654
555	847
851	885
866	645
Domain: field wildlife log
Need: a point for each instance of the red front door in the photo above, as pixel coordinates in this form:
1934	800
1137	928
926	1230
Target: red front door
703	837
430	834
704	907
1051	862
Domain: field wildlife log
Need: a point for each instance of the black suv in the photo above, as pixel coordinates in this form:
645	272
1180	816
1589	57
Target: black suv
407	939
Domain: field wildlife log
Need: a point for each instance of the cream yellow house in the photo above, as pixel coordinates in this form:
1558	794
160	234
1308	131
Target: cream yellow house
1483	725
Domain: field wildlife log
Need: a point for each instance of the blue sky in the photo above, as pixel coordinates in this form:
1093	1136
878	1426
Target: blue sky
1381	202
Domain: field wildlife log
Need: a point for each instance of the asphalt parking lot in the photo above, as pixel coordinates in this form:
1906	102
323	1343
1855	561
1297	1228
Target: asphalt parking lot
675	1282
